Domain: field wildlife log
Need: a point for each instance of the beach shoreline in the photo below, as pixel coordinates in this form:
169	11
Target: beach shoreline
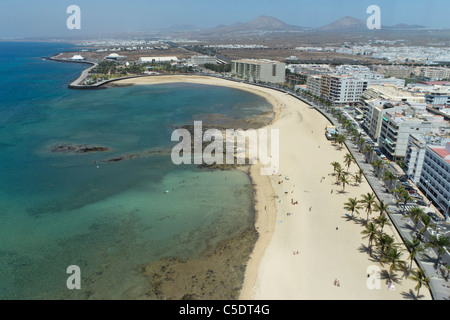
297	243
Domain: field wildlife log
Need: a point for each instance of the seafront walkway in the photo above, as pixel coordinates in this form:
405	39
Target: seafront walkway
439	287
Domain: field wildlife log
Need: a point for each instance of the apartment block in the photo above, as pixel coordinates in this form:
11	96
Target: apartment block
435	177
259	70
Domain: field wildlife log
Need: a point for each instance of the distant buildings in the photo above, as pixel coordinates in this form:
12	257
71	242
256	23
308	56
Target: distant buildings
157	59
115	57
259	70
402	72
346	84
198	60
77	57
433	73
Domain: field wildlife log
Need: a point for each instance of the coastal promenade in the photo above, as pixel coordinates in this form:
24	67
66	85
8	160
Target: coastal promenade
78	82
440	289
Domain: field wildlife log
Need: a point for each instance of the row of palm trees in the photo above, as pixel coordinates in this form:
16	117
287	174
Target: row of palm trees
387	250
342	173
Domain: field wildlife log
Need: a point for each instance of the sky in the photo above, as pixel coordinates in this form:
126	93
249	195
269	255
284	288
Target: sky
47	18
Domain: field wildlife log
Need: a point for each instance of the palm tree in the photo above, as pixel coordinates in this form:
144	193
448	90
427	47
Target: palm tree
392	256
368	202
382	221
403	195
357	178
340	139
340	173
352	205
381	207
440	243
426	223
344	180
368	151
348	160
370	232
335	165
389	177
421	279
384	241
378	165
415	213
415	247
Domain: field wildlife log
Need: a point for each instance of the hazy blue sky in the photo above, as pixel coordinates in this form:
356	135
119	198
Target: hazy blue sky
34	18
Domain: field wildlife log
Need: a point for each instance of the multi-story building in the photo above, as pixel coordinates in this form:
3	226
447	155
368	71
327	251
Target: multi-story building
402	72
414	157
435	176
392	93
396	128
347	84
259	70
416	149
374	112
438	96
198	60
433	73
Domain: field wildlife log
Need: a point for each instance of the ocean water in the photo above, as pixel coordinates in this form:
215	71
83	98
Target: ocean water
108	218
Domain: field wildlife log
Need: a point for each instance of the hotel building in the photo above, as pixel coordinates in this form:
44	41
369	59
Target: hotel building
435	177
259	70
397	126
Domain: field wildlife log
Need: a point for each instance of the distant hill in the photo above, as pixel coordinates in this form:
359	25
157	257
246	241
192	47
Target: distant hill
353	24
403	26
345	24
262	23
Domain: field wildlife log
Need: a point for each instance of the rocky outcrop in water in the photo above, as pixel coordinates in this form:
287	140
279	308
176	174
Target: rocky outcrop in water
74	148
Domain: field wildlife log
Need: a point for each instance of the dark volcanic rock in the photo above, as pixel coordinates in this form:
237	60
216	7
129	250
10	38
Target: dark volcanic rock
71	148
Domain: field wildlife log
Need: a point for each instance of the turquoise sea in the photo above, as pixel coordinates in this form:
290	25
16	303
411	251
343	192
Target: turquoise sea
108	218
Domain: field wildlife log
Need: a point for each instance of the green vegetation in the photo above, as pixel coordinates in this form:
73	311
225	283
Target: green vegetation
220	68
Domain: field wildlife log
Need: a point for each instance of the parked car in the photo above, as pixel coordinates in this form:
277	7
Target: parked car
433	216
421	203
412	191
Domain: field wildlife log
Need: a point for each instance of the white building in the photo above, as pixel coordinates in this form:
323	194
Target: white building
374	112
397	126
198	60
435	177
259	70
392	93
157	59
77	57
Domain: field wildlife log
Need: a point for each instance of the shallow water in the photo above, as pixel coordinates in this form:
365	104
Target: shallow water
109	218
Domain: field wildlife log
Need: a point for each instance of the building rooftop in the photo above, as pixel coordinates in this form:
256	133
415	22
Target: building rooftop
443	152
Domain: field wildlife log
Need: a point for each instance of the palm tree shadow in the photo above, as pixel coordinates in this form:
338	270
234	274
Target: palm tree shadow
427	258
365	249
348	218
386	275
411	295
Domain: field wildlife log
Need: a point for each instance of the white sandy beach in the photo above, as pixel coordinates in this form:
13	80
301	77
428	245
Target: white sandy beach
324	253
